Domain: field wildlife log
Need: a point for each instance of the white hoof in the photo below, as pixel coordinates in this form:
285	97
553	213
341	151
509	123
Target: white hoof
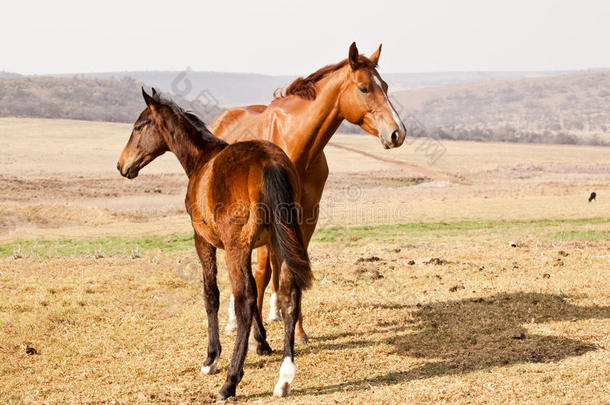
211	369
274	311
287	373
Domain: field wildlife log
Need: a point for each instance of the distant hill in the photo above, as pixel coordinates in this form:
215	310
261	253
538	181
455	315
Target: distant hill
4	74
81	98
571	108
568	108
234	89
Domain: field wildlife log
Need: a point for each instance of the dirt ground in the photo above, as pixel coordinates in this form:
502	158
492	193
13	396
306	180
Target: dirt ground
479	274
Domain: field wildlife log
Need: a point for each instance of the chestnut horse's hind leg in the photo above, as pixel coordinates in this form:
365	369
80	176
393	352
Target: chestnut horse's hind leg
289	297
207	255
274	308
244	291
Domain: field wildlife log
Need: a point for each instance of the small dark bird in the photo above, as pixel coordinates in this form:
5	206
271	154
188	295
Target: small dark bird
592	196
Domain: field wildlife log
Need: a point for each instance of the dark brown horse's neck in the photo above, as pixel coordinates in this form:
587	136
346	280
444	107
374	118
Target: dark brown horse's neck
192	148
323	119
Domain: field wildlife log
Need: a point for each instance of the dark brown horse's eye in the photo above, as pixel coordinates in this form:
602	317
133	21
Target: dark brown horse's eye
139	126
364	89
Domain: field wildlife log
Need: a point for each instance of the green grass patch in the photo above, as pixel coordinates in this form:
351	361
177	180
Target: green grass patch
588	235
100	246
333	234
415	229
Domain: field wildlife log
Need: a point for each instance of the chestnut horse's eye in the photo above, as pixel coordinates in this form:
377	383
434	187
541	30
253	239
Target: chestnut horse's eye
363	89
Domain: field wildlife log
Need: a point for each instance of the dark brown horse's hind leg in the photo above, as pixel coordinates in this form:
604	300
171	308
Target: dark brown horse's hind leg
260	335
207	255
289	297
244	290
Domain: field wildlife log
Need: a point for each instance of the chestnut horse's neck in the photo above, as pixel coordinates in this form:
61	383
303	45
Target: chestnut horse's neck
317	122
188	138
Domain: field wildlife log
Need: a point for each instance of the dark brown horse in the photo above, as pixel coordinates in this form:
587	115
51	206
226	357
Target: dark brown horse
301	122
239	197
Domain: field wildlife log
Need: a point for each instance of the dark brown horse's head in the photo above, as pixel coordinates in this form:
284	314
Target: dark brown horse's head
145	143
364	100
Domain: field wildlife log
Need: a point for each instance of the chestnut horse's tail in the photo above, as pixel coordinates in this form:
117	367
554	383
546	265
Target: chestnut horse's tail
286	235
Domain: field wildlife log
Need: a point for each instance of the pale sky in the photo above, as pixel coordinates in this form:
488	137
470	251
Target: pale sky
297	37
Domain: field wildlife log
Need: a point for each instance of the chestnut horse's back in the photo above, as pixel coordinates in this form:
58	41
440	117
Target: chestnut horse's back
228	124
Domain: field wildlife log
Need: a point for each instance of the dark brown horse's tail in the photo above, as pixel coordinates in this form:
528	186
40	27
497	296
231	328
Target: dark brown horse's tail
286	235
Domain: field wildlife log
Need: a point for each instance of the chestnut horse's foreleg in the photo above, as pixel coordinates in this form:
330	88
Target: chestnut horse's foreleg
262	276
289	297
244	291
274	308
207	255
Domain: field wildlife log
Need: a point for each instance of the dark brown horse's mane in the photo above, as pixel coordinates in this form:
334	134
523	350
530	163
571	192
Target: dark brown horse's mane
305	87
191	118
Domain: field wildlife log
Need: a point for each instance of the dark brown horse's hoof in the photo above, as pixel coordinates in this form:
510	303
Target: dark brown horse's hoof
225	392
263	349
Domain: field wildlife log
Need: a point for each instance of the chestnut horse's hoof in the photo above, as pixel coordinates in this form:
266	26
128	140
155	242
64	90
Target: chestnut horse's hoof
301	339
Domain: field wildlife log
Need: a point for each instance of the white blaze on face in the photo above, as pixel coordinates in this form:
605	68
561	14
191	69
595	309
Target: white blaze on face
390	106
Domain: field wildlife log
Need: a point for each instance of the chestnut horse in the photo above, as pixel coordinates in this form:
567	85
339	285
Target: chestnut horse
239	196
302	122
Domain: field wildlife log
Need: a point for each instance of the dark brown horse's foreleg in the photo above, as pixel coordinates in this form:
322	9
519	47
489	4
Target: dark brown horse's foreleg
207	255
289	297
244	291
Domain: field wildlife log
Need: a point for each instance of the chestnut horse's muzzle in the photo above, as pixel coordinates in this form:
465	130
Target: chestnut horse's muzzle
130	173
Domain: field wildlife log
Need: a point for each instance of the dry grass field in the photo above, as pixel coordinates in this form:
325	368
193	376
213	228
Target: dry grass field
481	278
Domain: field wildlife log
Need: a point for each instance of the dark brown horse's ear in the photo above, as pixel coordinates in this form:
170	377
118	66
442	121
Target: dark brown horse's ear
375	55
154	92
353	56
148	99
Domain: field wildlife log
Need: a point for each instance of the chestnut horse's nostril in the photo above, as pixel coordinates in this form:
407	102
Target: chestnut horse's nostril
395	136
118	166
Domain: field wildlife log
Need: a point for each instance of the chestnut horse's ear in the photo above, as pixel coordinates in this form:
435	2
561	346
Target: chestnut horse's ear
148	99
353	56
154	92
375	56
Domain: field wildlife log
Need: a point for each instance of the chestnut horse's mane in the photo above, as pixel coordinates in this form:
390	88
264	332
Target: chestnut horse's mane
306	87
190	117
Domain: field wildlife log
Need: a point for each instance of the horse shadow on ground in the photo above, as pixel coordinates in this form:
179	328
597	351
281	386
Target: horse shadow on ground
462	336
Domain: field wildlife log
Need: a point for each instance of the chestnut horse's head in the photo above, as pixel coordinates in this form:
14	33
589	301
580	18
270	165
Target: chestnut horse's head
364	100
145	143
